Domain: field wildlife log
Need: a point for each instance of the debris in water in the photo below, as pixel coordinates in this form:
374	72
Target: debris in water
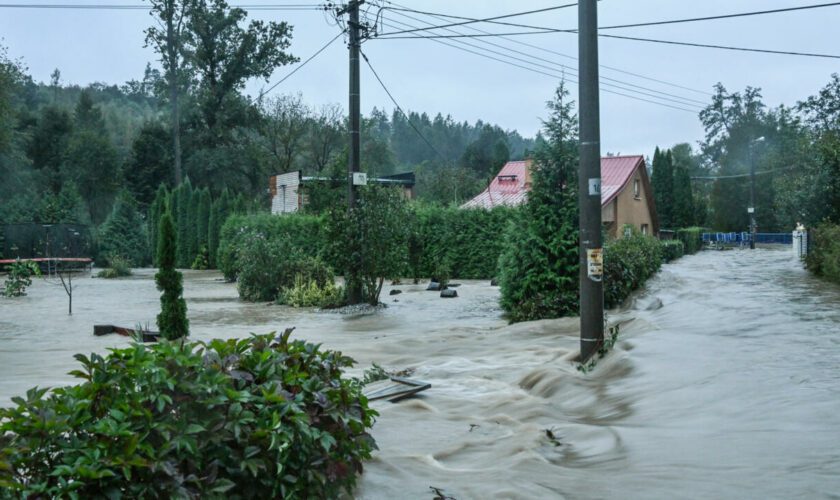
439	494
553	438
448	294
394	389
395	292
474	426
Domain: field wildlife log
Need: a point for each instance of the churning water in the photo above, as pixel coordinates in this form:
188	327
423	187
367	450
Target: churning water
725	383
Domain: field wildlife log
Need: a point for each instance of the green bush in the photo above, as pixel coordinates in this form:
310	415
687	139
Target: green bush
172	320
120	267
20	277
692	238
308	293
123	234
270	266
823	257
262	417
672	250
298	232
628	263
202	259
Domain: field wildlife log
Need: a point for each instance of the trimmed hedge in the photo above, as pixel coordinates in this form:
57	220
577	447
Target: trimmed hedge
296	232
628	264
672	250
262	417
692	238
823	257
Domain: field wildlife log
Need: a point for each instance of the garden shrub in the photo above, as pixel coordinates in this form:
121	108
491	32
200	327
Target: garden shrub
308	293
369	243
628	263
692	238
672	250
300	232
263	417
823	257
123	234
172	320
270	266
20	277
120	267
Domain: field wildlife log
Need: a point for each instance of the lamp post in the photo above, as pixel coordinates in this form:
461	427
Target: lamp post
751	208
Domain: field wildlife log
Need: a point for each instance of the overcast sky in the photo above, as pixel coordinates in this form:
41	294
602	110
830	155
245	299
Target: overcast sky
107	46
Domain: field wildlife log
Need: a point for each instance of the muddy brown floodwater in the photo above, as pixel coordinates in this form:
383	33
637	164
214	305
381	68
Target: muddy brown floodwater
725	383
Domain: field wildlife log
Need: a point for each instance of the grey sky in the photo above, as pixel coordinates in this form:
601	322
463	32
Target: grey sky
107	46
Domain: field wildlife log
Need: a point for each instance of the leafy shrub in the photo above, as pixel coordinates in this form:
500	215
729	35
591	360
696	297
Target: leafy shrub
692	238
202	259
369	243
20	277
303	233
120	267
672	250
269	266
310	294
628	263
262	417
823	257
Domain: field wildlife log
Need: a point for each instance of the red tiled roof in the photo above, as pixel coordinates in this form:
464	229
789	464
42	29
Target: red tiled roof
510	187
616	172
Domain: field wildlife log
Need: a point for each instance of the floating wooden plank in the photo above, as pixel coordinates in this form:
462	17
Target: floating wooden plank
148	336
394	389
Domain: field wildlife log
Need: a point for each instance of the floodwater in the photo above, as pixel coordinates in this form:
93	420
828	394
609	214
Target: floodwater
725	382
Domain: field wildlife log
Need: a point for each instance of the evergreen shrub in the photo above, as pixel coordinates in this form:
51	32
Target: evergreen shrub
123	234
672	250
823	257
172	320
262	417
692	238
628	263
270	266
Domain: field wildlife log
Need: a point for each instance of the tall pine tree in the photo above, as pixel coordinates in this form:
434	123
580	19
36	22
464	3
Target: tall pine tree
539	265
683	215
662	183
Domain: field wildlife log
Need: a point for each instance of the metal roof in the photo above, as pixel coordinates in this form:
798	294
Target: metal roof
616	172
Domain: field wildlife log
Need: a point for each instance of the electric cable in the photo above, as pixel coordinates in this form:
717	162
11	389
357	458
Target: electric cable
301	65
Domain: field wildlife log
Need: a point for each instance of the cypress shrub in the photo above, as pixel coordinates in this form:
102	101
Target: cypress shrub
203	222
182	224
123	234
156	211
172	320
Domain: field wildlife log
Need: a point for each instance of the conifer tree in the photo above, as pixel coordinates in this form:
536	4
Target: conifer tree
683	215
662	183
123	233
182	223
203	223
172	320
539	265
156	211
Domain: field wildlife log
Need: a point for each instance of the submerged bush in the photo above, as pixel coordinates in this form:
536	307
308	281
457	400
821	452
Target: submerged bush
20	277
267	267
672	250
628	263
823	257
692	238
120	267
262	417
308	293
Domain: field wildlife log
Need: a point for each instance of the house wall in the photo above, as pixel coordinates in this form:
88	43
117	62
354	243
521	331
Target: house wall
632	209
286	193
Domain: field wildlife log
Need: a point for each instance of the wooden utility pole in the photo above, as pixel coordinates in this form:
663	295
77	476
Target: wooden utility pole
589	184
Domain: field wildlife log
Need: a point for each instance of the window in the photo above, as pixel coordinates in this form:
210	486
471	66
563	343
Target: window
644	229
636	189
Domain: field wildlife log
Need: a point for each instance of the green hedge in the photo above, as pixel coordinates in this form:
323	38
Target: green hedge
262	417
672	250
823	257
692	238
628	264
297	232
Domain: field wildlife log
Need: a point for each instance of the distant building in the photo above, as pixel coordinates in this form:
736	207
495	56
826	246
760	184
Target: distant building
288	190
626	195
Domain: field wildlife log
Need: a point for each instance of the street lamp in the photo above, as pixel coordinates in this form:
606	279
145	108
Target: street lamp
751	208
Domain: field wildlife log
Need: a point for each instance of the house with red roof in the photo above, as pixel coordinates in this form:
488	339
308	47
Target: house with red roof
626	195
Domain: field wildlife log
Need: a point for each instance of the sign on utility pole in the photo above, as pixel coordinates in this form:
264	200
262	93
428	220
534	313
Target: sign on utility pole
589	180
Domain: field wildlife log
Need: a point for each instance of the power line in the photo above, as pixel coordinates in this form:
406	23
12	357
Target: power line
488	19
738	176
554	73
301	65
385	88
542	49
84	6
618	83
724	47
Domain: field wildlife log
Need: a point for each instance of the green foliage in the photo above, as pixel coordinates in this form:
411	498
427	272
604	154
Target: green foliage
20	277
156	210
263	417
368	244
662	184
308	293
150	164
672	250
539	265
628	263
172	320
692	239
823	257
124	234
201	261
120	267
296	232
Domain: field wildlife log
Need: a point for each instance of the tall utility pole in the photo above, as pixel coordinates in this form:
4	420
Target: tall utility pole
354	291
589	183
751	208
